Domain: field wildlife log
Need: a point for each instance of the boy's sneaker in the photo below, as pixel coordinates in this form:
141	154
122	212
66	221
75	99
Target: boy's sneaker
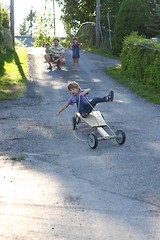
49	68
58	67
110	96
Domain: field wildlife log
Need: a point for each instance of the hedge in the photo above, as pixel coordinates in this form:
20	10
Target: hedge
140	59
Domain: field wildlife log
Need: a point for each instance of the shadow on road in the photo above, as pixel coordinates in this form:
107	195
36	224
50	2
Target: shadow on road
64	187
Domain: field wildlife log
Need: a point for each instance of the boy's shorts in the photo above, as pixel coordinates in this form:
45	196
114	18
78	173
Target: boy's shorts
55	58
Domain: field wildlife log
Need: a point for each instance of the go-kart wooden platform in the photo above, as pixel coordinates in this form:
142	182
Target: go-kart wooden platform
94	119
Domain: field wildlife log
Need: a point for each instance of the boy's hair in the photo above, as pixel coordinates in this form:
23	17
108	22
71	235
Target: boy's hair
72	85
47	44
75	38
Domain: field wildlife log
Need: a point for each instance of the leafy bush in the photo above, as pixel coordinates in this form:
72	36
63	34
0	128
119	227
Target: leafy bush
41	39
5	36
4	17
140	59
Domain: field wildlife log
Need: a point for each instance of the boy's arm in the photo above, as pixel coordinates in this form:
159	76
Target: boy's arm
63	108
80	45
86	91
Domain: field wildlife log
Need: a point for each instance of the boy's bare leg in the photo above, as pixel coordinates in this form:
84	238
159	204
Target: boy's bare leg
60	62
47	58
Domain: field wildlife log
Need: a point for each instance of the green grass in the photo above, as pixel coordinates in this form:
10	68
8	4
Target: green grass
101	52
149	93
13	74
19	158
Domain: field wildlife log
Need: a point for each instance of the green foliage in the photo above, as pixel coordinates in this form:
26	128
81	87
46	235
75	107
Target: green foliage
13	86
146	91
35	24
124	16
141	60
86	34
111	7
26	28
23	29
4	23
41	38
154	22
76	12
4	17
133	15
18	158
1	38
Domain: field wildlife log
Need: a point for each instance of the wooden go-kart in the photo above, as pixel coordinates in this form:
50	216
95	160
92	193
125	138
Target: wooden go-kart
96	120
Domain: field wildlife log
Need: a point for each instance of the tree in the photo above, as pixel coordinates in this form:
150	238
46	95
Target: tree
31	20
132	16
23	29
77	12
111	7
4	18
4	25
26	28
154	21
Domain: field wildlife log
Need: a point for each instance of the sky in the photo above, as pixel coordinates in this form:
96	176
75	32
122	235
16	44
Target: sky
23	7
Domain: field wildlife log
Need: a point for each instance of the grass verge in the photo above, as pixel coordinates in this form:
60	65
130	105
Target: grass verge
13	74
101	52
19	158
149	93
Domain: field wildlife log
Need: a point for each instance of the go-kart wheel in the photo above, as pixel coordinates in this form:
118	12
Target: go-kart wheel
121	137
92	140
74	123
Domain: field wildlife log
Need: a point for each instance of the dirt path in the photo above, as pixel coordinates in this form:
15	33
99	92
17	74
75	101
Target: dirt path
57	187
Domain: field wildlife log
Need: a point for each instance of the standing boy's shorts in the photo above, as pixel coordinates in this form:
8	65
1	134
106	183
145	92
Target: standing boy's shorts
76	56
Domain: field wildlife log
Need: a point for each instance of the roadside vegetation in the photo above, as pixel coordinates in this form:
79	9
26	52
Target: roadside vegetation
13	73
151	94
139	69
13	62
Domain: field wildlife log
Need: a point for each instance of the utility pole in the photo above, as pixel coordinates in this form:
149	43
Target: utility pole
54	19
109	29
98	22
12	20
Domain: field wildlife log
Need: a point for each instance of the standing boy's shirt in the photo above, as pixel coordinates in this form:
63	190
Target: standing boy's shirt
74	99
57	50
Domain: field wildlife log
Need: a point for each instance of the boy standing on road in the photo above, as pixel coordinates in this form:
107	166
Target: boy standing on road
75	53
84	105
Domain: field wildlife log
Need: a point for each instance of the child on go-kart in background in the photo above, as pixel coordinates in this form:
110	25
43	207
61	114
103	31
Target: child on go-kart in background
84	105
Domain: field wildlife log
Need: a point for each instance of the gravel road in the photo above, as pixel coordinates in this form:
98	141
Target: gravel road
53	186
